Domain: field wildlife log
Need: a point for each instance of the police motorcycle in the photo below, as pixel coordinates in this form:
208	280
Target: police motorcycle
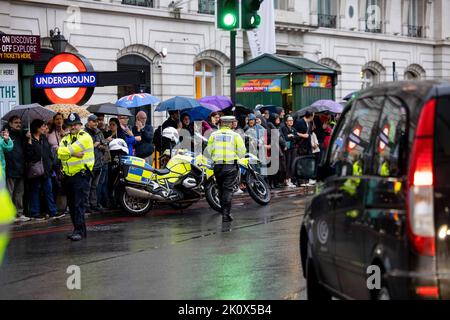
180	184
249	178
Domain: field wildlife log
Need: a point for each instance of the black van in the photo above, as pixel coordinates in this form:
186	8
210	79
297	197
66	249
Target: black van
382	206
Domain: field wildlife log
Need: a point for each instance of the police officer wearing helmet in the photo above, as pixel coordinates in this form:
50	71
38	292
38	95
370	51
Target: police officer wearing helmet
225	148
76	152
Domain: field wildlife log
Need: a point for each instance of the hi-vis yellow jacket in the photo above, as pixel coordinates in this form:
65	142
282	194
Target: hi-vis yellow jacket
226	146
7	215
71	145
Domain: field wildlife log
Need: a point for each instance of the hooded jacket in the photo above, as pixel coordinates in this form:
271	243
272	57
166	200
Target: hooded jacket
15	159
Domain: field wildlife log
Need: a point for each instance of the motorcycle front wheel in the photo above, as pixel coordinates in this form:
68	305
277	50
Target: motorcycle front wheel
134	206
212	195
258	189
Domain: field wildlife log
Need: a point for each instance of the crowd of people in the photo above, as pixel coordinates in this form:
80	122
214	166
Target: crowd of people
28	154
29	158
297	136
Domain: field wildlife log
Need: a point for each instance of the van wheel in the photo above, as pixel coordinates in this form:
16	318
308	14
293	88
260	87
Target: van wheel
314	290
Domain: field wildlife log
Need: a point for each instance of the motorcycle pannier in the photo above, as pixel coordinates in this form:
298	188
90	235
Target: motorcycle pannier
136	170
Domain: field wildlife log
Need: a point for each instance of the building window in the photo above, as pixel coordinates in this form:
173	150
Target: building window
281	4
374	16
134	62
140	3
369	78
416	18
327	13
207	6
411	76
205	79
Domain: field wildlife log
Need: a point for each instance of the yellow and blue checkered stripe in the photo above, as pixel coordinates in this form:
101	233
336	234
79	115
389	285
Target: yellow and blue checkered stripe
139	171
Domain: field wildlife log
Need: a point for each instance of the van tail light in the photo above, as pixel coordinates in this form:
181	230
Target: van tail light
428	292
421	229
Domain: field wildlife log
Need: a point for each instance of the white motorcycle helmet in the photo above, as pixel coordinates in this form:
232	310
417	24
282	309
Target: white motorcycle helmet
118	144
171	134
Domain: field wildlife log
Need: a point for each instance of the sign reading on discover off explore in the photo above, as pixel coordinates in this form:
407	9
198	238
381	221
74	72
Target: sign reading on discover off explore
67	79
9	87
19	47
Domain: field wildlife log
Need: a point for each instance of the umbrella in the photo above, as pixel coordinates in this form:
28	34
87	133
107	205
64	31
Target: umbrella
177	103
110	109
351	96
67	109
271	108
312	109
238	110
137	100
328	105
202	112
220	101
30	112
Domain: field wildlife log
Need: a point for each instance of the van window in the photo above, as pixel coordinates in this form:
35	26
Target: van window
390	137
442	142
350	153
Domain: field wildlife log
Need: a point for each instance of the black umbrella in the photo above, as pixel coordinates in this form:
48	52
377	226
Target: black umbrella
271	108
110	109
237	110
30	112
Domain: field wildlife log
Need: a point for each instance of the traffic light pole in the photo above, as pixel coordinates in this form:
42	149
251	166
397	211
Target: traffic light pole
233	66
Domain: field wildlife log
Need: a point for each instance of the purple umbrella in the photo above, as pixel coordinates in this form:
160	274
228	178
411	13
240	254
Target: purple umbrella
328	105
219	101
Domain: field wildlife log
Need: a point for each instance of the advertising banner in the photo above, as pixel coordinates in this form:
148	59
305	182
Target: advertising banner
262	40
318	81
9	87
258	85
19	47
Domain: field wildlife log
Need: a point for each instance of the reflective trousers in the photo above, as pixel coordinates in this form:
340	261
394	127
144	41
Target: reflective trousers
226	177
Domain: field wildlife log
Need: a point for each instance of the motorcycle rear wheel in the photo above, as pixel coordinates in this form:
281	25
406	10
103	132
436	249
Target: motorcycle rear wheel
134	206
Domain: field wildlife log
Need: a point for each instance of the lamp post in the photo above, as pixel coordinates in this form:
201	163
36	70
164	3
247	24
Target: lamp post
58	41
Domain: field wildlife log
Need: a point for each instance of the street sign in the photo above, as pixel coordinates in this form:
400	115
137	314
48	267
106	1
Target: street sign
72	68
65	80
19	47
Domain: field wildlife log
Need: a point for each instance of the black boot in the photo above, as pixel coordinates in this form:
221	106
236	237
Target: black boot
227	218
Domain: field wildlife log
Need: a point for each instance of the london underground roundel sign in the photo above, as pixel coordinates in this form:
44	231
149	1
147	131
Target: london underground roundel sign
68	63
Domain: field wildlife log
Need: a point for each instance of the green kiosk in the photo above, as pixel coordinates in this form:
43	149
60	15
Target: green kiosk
287	81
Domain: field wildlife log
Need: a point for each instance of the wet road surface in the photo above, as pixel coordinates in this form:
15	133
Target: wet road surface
164	255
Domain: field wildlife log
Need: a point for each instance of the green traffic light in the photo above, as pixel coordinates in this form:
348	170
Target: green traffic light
229	20
255	20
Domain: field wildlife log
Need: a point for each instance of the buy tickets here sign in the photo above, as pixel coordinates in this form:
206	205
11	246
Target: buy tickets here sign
19	47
